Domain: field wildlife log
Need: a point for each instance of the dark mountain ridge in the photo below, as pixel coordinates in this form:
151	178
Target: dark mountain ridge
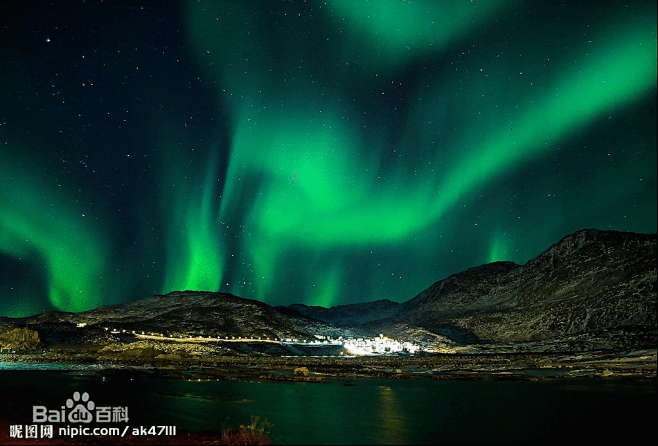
351	314
591	282
592	289
176	314
590	286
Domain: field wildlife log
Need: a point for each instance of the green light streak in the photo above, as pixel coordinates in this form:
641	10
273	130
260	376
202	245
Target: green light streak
326	292
38	223
195	259
314	183
611	76
396	32
621	73
316	179
306	163
499	249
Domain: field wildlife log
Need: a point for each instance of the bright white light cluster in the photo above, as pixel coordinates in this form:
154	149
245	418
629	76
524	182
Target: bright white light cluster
379	346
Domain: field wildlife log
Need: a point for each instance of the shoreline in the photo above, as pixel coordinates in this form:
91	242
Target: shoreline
633	372
504	366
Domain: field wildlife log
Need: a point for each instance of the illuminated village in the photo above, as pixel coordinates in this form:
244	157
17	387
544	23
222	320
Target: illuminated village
380	345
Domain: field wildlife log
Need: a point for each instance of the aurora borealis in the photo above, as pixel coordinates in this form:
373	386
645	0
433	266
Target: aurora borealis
317	152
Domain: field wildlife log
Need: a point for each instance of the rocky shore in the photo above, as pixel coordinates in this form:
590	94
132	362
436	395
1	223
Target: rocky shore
585	307
219	365
207	362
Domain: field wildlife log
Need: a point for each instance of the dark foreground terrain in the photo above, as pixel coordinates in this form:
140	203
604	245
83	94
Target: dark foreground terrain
634	370
584	307
531	366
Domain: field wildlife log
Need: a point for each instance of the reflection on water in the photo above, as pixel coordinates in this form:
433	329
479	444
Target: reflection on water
391	418
370	412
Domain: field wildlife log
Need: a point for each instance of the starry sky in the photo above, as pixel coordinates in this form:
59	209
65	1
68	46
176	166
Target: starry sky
317	152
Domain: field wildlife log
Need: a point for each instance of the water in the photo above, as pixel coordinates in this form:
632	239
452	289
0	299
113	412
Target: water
359	412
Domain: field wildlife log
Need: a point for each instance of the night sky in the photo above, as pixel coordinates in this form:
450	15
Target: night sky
317	152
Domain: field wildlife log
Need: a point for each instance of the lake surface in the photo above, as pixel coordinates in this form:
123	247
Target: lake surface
358	412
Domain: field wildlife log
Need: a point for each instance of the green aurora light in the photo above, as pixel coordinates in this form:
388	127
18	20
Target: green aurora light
41	223
353	151
318	189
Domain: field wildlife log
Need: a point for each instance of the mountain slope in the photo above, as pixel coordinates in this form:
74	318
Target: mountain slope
179	314
597	283
591	290
351	314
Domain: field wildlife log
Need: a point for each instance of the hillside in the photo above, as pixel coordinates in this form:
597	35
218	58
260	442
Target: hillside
592	290
598	286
